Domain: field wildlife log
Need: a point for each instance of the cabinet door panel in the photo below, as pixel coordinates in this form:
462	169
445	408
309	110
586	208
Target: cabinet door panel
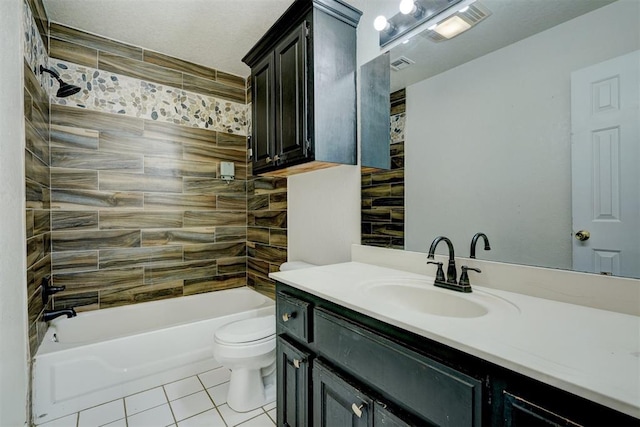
411	381
263	135
338	403
294	375
291	96
521	413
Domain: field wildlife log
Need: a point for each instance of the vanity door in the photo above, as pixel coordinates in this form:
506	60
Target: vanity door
294	379
337	402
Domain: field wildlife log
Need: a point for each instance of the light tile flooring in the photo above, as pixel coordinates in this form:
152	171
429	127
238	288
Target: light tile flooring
195	401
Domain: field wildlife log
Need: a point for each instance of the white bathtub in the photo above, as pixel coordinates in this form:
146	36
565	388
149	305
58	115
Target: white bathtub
107	354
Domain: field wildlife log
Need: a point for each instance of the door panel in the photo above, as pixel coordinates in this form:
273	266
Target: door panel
291	95
262	143
605	125
294	375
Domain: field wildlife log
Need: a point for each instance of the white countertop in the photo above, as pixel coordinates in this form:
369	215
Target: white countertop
586	351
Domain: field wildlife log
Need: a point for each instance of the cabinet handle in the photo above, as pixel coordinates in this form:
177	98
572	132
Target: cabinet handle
357	409
268	160
297	362
276	158
287	316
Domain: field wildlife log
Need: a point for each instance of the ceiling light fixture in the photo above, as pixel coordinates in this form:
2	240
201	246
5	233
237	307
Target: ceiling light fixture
458	22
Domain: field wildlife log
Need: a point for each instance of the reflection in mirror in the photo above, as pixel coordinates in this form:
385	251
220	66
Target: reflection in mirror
528	136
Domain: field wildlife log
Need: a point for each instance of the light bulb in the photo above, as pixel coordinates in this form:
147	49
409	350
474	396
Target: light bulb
380	23
407	7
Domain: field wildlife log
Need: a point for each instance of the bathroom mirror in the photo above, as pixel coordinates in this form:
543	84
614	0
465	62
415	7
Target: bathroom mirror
488	136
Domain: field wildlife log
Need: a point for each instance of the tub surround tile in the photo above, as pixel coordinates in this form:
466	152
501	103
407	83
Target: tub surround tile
62	115
214	218
35	143
139	70
211	251
136	145
214	88
67	262
139	182
88	159
73	52
214	283
74	220
212	185
71	137
178	65
76	179
78	300
181	236
258	234
145	400
115	297
102	414
180	271
134	257
88	281
232	265
82	38
126	219
179	167
87	199
231	234
231	140
179	202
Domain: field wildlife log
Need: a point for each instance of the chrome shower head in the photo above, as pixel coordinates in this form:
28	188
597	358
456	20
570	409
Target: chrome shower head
65	89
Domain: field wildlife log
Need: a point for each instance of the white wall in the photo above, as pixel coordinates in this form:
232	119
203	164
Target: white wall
488	143
13	305
323	214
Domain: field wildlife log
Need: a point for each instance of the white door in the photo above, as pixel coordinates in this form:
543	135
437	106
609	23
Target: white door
605	122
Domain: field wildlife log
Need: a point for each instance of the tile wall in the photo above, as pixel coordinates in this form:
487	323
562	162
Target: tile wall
137	211
383	190
37	179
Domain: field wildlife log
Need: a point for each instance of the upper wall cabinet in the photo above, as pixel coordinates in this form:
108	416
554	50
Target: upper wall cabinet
303	77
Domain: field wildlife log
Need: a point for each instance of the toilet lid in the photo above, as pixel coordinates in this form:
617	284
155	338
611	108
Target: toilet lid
247	330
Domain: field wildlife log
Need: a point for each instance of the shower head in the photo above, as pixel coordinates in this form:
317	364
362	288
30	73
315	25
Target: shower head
65	89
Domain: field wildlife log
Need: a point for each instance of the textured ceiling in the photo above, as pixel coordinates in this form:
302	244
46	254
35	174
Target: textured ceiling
214	33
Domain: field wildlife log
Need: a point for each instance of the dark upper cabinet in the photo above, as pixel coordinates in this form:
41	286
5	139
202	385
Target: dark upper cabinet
303	76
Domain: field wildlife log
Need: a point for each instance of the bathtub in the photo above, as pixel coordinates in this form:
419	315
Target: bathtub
108	354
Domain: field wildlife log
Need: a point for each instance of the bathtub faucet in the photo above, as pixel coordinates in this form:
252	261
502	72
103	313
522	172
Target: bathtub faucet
52	314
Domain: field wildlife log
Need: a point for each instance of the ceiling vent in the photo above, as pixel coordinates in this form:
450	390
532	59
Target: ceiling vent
401	63
471	15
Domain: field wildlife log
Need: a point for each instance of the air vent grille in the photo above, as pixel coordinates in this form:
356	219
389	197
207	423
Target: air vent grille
401	63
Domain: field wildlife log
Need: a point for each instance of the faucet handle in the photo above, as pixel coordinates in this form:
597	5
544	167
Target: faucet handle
440	272
464	277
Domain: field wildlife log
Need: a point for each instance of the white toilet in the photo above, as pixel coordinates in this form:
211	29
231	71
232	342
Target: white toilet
248	348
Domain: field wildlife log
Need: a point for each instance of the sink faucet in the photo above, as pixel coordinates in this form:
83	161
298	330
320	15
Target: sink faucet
52	314
474	241
451	282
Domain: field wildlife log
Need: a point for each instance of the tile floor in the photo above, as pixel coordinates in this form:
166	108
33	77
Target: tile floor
195	401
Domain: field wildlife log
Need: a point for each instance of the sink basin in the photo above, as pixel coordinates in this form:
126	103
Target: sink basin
420	296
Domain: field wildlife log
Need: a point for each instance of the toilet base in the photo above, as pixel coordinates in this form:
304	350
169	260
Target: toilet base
249	390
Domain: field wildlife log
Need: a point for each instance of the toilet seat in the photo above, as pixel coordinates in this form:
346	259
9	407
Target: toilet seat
248	331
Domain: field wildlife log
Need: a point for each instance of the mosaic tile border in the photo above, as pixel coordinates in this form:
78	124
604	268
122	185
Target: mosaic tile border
398	122
117	94
35	52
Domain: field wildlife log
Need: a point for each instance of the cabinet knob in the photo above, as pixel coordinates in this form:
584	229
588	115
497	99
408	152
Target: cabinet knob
357	409
287	316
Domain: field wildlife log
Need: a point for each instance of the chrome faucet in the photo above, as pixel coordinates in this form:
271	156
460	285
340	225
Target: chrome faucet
451	282
474	241
52	314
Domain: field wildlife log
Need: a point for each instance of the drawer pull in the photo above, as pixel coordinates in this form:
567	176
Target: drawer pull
287	316
357	409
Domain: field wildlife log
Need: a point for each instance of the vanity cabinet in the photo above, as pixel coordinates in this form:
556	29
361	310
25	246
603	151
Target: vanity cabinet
337	367
303	88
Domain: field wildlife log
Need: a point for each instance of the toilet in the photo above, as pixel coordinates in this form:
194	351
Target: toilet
248	348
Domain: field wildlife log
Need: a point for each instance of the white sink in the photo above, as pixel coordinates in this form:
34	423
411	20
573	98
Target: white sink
420	296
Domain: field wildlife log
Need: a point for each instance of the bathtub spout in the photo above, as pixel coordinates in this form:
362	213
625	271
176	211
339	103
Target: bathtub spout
52	314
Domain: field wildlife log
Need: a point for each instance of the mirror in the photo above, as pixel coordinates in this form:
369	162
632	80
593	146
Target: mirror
488	136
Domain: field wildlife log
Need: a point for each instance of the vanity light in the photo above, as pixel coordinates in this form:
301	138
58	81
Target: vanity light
410	7
381	24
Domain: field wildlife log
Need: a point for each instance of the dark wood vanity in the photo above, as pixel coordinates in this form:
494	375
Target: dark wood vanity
338	367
